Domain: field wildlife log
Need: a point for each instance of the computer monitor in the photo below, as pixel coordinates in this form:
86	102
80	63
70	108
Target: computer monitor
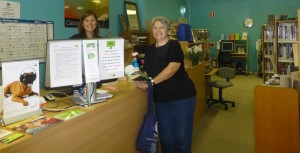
67	59
227	46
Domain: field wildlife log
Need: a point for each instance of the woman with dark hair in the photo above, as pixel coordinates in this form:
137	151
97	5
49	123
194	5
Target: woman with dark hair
88	26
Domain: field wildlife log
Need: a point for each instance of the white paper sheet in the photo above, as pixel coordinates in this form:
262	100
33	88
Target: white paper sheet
9	9
65	63
91	66
111	58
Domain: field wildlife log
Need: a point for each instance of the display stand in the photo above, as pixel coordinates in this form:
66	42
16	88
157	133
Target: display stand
89	97
91	93
20	101
10	120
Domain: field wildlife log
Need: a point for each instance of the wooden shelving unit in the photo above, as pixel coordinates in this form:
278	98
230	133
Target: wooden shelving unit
241	53
279	44
139	40
269	56
286	36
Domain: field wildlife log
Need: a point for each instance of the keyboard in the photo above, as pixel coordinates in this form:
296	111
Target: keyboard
63	92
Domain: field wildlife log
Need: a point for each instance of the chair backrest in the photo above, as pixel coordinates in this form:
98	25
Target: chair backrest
224	58
226	72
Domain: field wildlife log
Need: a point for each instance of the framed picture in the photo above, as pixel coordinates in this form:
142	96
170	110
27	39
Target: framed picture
132	16
244	36
123	22
200	35
72	14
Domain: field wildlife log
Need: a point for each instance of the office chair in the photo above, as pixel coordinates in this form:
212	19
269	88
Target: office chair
225	60
227	73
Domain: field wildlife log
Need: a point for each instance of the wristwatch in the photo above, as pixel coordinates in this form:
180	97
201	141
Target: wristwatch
152	81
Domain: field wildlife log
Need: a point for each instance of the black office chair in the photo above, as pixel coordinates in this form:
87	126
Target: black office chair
225	60
227	73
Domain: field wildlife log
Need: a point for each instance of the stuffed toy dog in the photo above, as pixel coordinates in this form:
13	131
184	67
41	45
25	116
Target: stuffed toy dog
21	89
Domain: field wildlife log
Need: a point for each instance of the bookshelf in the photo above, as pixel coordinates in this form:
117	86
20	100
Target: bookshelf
268	53
259	57
240	56
287	42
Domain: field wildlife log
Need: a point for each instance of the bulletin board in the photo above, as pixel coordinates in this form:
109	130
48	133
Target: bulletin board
24	39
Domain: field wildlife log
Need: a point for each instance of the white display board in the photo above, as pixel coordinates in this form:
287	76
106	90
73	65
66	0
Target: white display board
98	59
111	58
24	39
21	90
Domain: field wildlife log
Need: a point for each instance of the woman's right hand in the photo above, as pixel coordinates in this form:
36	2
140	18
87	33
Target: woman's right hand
141	84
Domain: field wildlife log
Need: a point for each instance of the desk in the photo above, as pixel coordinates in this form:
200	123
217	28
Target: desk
241	62
276	116
196	74
109	127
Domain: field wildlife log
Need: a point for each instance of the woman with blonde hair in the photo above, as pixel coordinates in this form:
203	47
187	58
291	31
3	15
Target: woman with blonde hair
174	92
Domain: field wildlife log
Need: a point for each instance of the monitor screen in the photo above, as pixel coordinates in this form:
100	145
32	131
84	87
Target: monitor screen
227	46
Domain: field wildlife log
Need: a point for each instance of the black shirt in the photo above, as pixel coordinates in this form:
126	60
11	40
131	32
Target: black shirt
179	86
78	36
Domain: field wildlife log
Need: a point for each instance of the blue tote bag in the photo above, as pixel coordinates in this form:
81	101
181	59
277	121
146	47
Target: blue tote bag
147	140
184	33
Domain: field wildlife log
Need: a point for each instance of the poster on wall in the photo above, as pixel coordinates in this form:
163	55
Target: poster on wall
21	90
74	9
9	9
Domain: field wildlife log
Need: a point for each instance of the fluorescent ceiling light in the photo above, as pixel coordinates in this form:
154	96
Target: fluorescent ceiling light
131	12
96	1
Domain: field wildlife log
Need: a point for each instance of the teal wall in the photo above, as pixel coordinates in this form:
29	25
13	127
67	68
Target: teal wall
53	10
229	16
153	8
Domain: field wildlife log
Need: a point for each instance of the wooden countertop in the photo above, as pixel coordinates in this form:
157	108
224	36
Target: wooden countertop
107	127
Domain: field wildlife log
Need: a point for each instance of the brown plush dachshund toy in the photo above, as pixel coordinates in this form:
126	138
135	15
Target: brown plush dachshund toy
21	89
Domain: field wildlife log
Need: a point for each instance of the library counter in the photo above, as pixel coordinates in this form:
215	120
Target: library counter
111	126
106	127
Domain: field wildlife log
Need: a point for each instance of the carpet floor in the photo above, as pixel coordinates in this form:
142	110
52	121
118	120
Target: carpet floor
231	131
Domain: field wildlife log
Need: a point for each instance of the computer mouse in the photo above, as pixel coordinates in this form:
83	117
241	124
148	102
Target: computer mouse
49	97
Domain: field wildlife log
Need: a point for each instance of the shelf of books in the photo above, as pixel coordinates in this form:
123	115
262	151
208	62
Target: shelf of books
287	45
268	51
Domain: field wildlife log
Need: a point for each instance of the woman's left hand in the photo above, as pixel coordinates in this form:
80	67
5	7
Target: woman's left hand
142	84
